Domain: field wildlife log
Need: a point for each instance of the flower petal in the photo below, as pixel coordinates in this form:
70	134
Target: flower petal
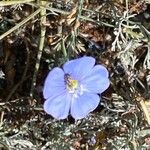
78	68
97	80
54	84
84	104
59	106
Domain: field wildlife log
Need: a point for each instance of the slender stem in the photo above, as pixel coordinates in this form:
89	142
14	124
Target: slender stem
7	3
64	49
80	8
20	24
127	9
41	46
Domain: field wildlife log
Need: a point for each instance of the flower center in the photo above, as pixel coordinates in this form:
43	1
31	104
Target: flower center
71	84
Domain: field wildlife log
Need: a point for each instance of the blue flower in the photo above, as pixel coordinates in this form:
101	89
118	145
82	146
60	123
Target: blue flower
74	89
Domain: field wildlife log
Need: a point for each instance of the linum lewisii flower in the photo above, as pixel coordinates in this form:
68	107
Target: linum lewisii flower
74	89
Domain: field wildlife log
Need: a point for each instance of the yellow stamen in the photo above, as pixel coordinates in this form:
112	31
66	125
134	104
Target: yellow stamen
71	83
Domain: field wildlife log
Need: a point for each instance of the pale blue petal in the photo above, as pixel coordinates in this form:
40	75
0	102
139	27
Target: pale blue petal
58	107
97	80
79	68
83	105
54	84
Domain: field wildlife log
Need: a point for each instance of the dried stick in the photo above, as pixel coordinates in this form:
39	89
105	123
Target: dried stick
146	112
7	3
20	24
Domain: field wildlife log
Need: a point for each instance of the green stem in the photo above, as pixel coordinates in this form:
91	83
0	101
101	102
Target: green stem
127	9
41	47
19	24
80	8
64	48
